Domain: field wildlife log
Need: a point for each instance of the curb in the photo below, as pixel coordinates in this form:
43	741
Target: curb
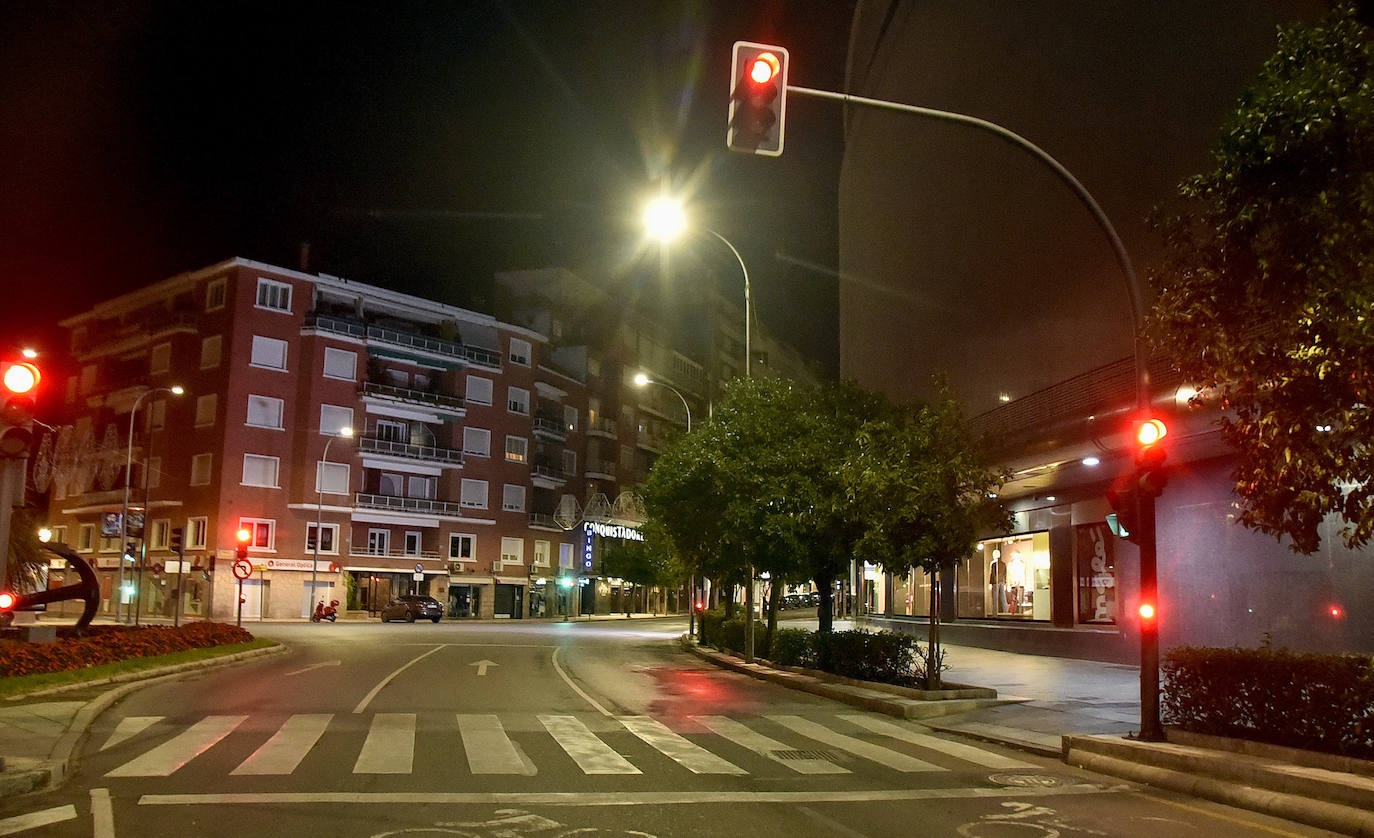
866	698
49	774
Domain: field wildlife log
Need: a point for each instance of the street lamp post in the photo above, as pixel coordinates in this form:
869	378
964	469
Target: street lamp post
642	380
319	510
175	390
664	218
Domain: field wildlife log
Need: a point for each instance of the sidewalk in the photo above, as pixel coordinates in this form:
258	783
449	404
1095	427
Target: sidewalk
1082	712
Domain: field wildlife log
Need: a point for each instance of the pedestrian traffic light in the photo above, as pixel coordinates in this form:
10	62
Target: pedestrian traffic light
758	98
241	550
17	403
1151	475
175	544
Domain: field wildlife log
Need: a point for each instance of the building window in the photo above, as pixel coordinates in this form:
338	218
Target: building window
462	547
570	417
569	462
263	532
157	534
205	409
328	541
1097	573
378	542
565	553
154	475
211	351
479	390
542	552
517	400
391	431
341	364
513	498
200	469
265	412
332	478
520	352
474	493
512	550
260	470
1007	578
274	295
333	419
157	414
517	449
391	485
477	442
420	487
197	531
412	543
85	538
268	353
161	359
215	293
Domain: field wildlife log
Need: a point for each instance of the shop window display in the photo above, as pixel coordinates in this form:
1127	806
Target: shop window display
1008	578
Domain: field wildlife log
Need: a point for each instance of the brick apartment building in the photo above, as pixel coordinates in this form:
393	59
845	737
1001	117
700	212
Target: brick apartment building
486	464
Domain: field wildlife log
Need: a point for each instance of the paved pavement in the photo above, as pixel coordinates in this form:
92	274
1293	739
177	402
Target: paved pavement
1080	711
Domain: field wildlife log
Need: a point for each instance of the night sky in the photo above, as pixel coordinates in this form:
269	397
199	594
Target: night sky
415	146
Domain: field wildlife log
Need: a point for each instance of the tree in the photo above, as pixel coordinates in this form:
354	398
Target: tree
1266	298
926	492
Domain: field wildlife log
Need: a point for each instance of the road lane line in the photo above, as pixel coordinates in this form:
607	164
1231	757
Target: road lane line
102	814
180	749
591	754
763	745
43	817
367	699
287	747
686	753
618	798
959	750
390	745
593	702
489	749
128	727
858	747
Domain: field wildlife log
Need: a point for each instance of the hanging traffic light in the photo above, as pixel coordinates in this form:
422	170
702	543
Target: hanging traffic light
241	549
758	98
1151	476
18	390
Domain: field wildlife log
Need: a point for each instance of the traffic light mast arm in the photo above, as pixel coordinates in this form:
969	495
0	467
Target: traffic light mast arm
1123	260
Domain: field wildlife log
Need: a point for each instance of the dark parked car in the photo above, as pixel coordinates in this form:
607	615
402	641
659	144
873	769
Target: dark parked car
410	607
797	600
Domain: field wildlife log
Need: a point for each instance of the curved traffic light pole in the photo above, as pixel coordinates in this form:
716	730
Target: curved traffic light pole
1150	728
87	589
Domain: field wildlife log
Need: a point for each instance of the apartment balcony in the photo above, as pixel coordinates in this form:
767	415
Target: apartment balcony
393	553
445	457
418	506
650	441
438	402
599	469
544	521
549	429
605	428
135	334
413	342
547	477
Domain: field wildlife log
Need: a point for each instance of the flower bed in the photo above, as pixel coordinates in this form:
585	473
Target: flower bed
110	644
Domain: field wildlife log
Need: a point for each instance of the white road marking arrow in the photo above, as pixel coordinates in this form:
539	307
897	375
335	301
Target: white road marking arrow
314	666
482	666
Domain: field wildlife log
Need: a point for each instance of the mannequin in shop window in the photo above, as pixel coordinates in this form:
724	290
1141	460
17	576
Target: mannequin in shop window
999	585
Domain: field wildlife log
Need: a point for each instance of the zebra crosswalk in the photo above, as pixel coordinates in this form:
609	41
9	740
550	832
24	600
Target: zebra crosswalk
703	745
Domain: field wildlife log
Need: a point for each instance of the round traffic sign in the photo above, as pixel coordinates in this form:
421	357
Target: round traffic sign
243	568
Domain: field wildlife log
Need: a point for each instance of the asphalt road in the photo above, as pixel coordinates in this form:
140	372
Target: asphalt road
551	730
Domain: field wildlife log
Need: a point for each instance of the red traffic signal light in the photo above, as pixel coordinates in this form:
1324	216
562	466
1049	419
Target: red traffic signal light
700	606
241	550
7	601
758	98
1147	611
1151	476
20	385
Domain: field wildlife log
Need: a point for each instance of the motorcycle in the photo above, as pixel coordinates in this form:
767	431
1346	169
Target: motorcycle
323	612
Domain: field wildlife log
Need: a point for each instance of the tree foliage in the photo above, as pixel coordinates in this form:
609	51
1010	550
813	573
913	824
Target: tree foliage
1266	299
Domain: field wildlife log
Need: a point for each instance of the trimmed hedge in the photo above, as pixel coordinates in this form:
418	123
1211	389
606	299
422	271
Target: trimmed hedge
882	656
1312	701
109	644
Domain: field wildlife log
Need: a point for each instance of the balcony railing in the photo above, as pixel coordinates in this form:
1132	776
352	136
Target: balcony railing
550	428
425	506
548	474
600	467
544	520
373	445
409	340
394	553
388	391
602	427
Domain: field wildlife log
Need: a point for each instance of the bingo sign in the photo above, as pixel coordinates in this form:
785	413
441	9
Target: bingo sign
587	550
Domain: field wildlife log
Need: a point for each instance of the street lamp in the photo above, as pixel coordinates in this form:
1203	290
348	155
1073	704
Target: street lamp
665	219
176	390
319	508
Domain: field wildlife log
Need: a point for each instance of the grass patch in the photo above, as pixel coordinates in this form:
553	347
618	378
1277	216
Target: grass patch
20	684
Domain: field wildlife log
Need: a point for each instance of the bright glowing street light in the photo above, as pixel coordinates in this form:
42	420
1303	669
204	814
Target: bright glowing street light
664	218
